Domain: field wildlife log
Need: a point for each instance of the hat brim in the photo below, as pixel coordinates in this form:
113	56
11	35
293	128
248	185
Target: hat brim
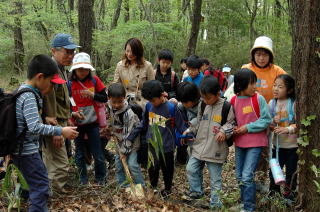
262	47
71	46
83	65
226	69
57	79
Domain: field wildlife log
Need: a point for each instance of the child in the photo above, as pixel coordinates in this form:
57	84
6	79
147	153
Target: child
165	74
183	67
168	117
189	96
122	121
42	76
205	64
283	125
253	118
85	91
226	70
195	75
210	145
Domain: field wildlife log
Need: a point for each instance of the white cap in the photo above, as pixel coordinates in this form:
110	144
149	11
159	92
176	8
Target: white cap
81	60
226	69
263	42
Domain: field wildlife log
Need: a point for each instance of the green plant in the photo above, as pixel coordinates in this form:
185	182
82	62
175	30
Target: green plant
13	183
156	142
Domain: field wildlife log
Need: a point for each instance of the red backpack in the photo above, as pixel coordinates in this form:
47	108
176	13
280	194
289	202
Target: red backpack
254	101
218	74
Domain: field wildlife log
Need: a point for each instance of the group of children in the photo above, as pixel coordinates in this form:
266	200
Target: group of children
191	114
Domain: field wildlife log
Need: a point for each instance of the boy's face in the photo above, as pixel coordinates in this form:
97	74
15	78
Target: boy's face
183	66
82	73
156	101
43	83
209	98
261	57
117	103
226	74
164	64
188	104
63	56
204	67
193	72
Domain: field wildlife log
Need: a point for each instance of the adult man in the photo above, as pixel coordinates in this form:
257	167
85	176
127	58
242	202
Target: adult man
56	111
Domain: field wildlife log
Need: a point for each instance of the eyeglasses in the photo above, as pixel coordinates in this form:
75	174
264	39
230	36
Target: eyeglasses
68	51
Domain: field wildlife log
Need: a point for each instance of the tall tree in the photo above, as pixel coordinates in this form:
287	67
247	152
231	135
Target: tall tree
71	4
196	19
86	24
253	15
18	39
126	7
305	67
116	15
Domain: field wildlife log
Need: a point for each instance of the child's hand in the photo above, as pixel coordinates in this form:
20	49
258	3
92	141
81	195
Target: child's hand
276	119
241	130
281	130
51	120
57	141
69	132
174	101
78	115
220	137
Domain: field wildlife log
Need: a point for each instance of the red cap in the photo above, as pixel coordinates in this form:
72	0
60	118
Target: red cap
57	80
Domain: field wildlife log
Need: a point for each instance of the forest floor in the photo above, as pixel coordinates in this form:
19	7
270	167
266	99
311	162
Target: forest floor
107	198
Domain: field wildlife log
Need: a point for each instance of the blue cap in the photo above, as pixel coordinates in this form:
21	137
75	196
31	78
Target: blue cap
63	40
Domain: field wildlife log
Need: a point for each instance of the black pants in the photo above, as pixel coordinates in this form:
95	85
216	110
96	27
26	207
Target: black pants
288	158
182	155
167	167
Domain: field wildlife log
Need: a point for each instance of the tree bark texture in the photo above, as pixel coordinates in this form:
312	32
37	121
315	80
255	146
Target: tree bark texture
71	4
116	15
253	13
305	67
18	39
86	24
126	7
192	44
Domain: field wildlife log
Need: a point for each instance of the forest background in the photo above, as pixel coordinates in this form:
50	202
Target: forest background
223	30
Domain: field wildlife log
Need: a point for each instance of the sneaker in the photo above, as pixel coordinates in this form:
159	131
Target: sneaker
165	193
189	196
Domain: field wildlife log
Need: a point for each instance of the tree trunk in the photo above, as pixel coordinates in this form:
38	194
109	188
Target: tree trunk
116	15
71	4
305	67
192	44
126	7
18	40
277	8
253	13
86	24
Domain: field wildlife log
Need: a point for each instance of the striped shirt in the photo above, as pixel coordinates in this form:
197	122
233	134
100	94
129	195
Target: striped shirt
27	114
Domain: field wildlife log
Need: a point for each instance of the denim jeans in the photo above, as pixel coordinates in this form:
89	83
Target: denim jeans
194	174
246	163
36	175
133	167
94	144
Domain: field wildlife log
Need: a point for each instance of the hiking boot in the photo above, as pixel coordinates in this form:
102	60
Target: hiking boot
189	196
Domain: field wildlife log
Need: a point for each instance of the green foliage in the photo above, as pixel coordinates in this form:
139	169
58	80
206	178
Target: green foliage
157	144
12	185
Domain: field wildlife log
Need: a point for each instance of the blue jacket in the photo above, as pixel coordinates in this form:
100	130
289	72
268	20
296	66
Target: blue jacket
197	80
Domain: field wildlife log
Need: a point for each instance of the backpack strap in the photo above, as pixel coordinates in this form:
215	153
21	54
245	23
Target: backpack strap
273	107
255	104
233	101
202	107
225	112
172	79
69	86
291	110
172	113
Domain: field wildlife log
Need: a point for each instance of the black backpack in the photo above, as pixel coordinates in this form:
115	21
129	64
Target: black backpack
224	114
8	122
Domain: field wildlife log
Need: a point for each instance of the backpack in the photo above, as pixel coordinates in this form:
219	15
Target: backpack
224	114
69	85
218	74
8	122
